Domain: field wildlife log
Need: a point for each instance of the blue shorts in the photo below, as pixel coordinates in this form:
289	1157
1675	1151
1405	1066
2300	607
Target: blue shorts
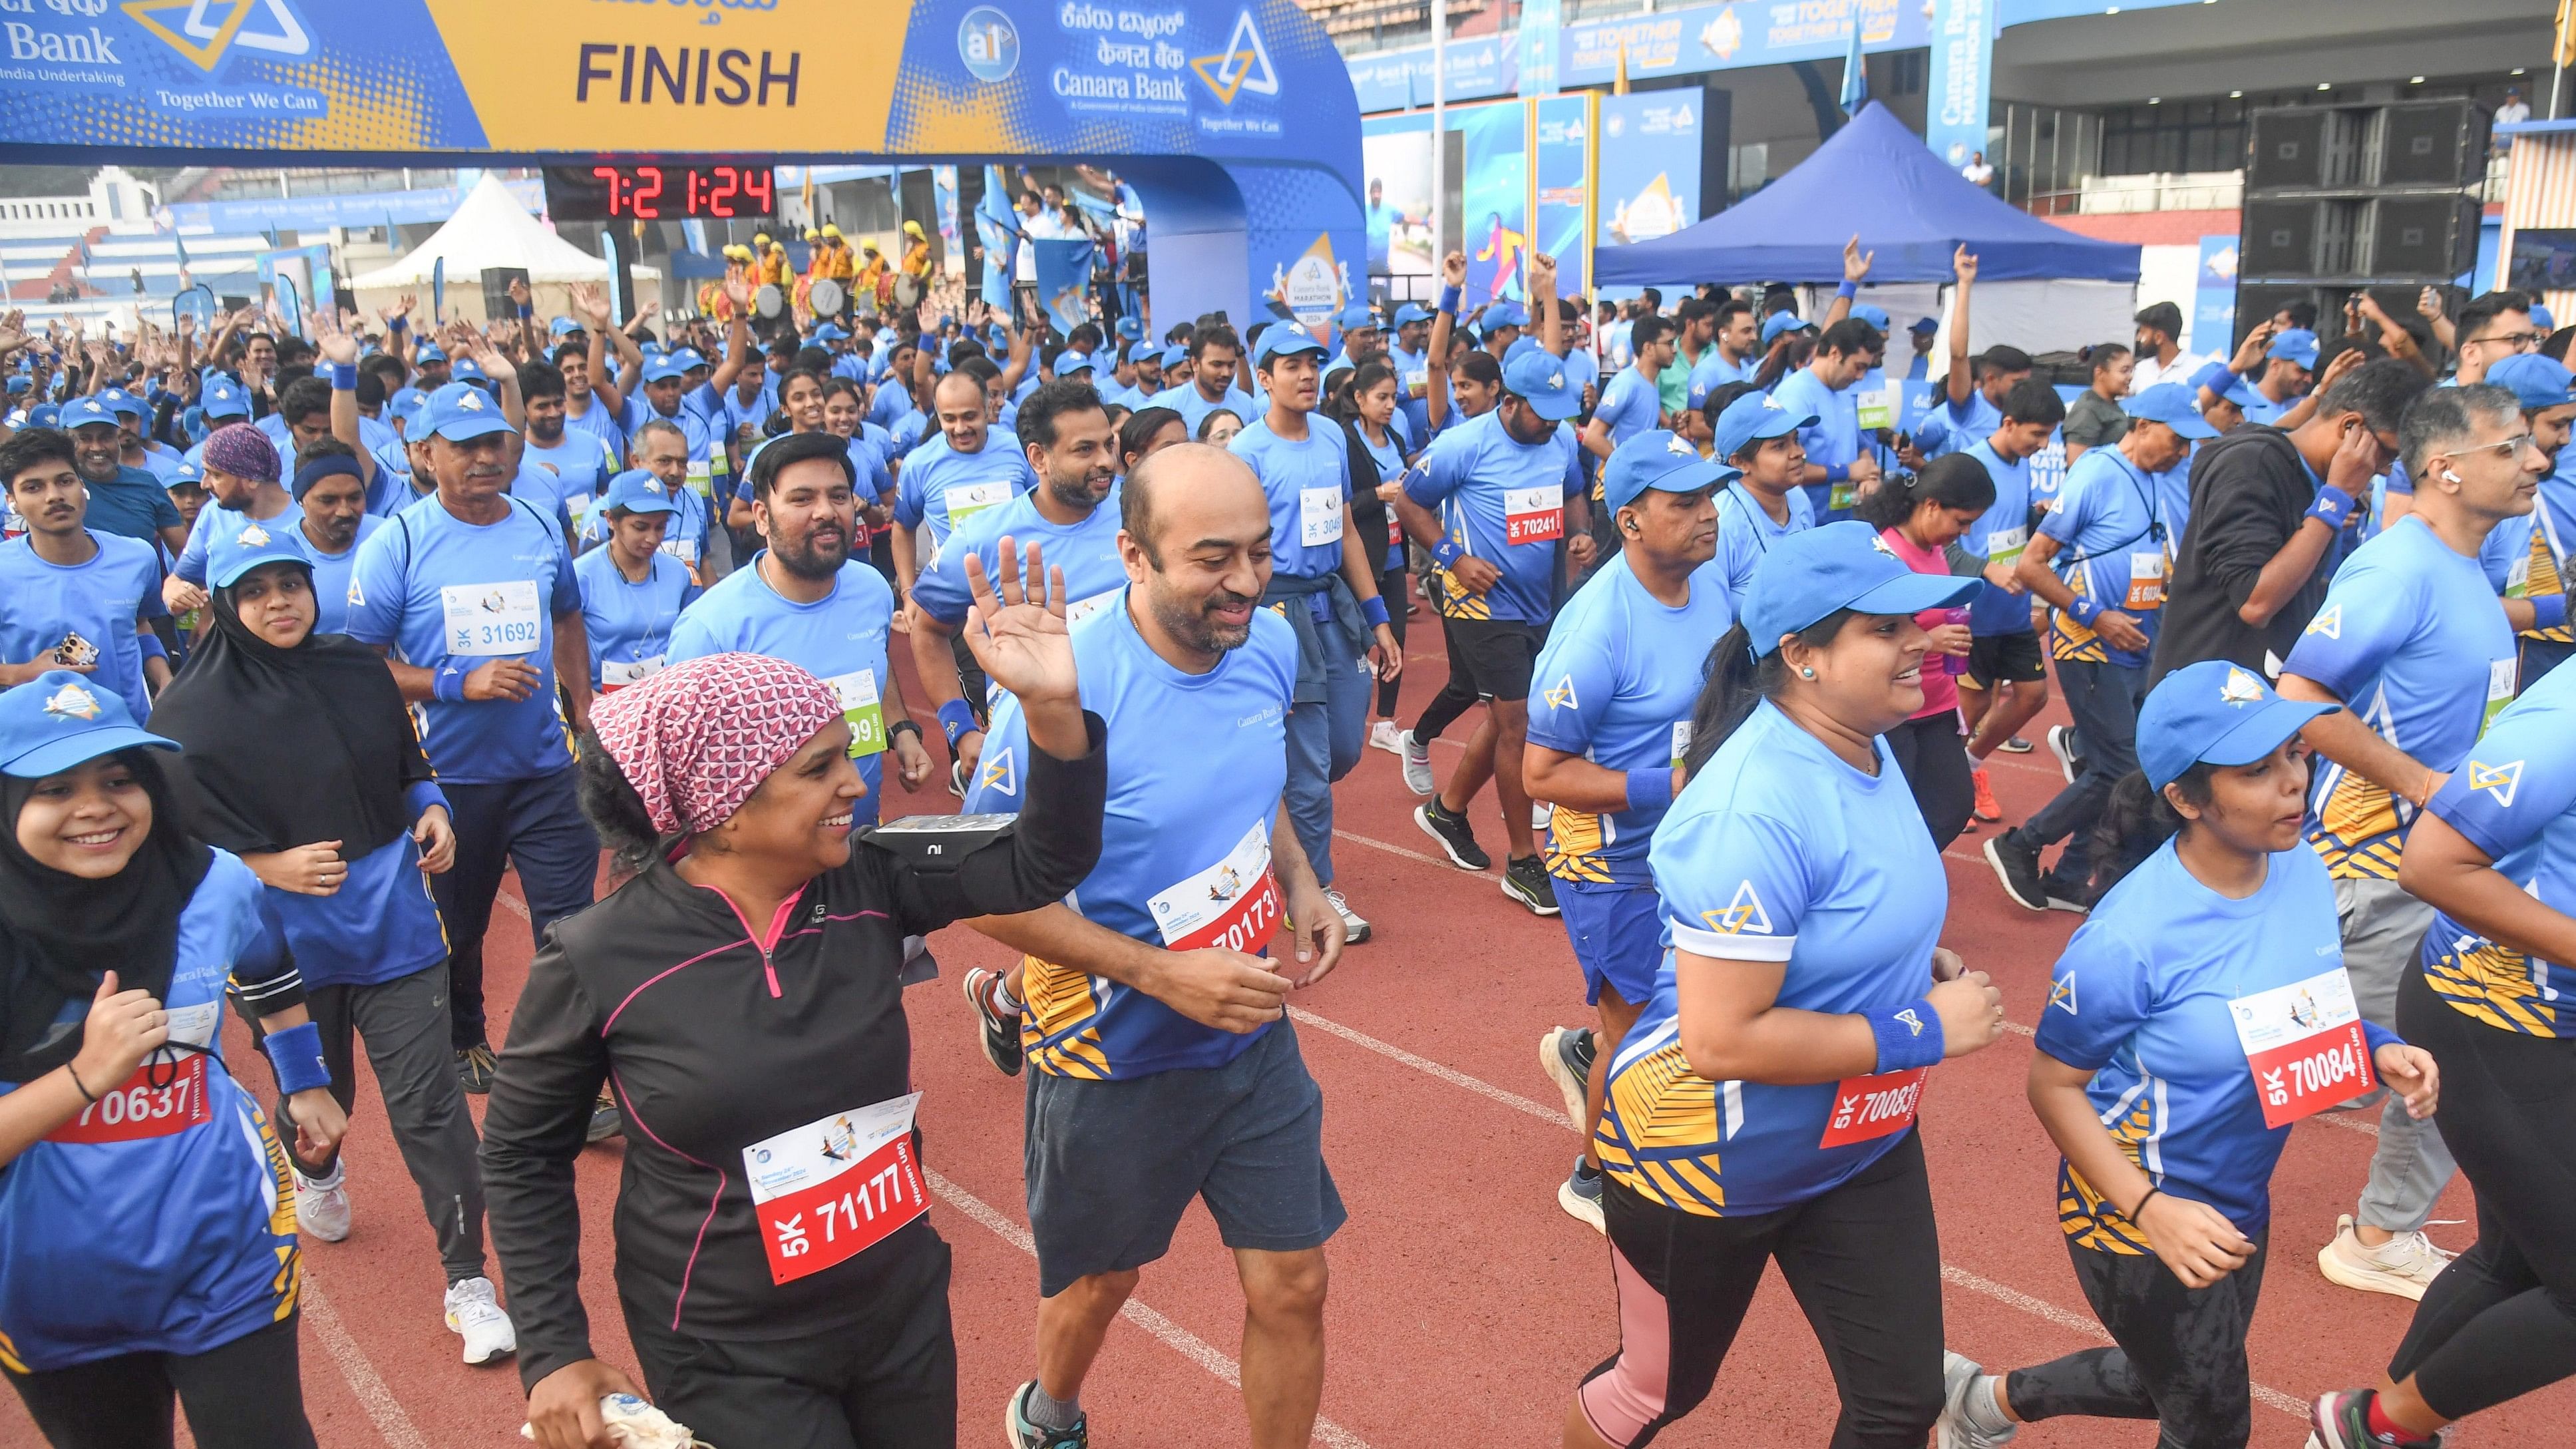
1618	938
1112	1165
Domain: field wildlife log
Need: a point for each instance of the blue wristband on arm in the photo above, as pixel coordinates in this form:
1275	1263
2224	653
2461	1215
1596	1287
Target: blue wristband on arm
151	646
956	721
2333	505
448	684
296	1056
1909	1036
1848	290
2085	611
2549	611
344	377
1373	609
1450	297
1446	553
1837	472
1650	789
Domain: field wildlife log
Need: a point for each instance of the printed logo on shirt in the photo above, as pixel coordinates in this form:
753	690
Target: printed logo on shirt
1744	913
1560	695
2501	781
357	596
2329	622
2240	689
2062	995
1001	773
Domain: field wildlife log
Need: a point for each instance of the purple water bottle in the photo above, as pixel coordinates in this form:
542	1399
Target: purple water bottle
1954	664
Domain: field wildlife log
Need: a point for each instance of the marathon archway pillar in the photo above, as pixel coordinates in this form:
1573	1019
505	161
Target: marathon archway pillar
1235	120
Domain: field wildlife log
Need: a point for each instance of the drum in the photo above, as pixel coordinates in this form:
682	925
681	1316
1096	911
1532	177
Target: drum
769	301
908	290
827	297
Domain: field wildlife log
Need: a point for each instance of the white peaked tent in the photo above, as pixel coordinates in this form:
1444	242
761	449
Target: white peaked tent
491	229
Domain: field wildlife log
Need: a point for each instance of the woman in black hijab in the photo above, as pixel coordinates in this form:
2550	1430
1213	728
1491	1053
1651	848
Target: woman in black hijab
143	1253
301	758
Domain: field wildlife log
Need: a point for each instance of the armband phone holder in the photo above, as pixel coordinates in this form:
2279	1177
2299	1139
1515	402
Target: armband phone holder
939	843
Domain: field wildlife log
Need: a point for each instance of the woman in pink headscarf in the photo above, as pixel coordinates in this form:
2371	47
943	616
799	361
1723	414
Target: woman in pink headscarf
741	995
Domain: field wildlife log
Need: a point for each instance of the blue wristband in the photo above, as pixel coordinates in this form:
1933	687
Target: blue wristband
344	377
1446	553
1650	789
1373	609
2333	506
2549	611
151	646
295	1054
1848	290
956	721
2085	611
1450	297
1837	472
1909	1036
448	684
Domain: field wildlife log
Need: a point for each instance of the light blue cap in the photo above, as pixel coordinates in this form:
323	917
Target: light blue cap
1806	576
60	719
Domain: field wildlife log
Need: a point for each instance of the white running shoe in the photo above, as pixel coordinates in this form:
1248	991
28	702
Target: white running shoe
475	1314
1385	736
1960	1376
322	1205
2402	1267
1355	927
1557	1057
1417	766
2061	743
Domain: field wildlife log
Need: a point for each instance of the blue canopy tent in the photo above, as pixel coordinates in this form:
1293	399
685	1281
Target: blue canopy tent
1877	180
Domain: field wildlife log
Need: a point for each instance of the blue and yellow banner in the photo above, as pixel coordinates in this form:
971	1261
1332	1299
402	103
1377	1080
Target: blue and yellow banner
1064	280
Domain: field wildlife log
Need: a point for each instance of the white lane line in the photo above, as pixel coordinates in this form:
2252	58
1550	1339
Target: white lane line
364	1382
1180	1340
2012	1297
1392	849
512	904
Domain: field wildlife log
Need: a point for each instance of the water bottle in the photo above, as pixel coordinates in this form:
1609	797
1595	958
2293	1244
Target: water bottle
1954	664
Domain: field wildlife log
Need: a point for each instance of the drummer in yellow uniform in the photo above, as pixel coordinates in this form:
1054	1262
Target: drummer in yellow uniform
916	253
772	259
844	266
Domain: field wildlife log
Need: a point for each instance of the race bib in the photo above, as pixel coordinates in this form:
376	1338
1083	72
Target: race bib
161	1098
2517	577
1534	515
1233	903
1681	741
702	478
1417	382
1839	498
965	500
683	549
2004	545
2305	1045
835	1187
491	619
616	674
861	707
2500	682
1081	609
1878	409
1319	516
1868	1107
2146	582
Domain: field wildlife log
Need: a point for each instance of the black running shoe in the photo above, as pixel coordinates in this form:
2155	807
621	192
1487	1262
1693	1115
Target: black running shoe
2066	895
1525	880
2017	866
1001	1029
605	1120
1457	838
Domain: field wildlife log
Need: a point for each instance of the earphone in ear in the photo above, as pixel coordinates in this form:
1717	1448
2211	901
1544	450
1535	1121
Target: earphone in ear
2450	477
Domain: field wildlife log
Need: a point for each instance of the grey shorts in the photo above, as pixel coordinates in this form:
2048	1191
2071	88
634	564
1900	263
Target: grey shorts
1113	1165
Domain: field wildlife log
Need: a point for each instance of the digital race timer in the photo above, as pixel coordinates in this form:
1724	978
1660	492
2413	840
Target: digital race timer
654	191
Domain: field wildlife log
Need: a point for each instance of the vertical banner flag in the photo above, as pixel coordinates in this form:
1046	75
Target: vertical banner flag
1963	55
2213	298
998	232
438	291
1650	153
1493	199
1561	181
1540	20
943	206
1064	280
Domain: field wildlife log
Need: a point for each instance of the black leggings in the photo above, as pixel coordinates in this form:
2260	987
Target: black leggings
246	1394
1455	697
1935	761
1863	1260
2181	1354
888	1381
2501	1320
1391	587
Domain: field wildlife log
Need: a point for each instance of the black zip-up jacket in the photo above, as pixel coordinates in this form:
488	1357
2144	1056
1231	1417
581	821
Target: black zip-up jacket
2250	492
716	1036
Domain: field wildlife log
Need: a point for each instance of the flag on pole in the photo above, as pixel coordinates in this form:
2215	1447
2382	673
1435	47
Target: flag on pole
1855	75
1064	280
998	229
1619	76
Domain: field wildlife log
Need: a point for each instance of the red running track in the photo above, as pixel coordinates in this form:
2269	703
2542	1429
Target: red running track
1465	1305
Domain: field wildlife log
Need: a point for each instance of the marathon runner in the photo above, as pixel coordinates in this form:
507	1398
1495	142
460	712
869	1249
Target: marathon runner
2006	682
73	597
631	591
2527	557
1758	435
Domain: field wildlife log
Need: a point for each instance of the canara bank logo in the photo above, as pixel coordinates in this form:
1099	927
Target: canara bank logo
1742	914
1244	64
989	43
205	31
2500	781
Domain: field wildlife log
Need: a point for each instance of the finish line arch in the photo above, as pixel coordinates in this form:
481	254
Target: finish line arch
1235	121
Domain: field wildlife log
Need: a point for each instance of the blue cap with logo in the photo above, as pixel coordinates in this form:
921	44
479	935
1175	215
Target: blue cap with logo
1874	316
1410	313
185	475
2217	712
2169	403
1756	416
258	543
1073	364
831	332
663	368
1144	351
1538	377
222	399
460	411
637	491
427	353
1661	460
1501	315
562	327
118	400
468	370
1845	565
44	415
1284	339
1779	322
690	359
87	412
2535	381
59	719
2298	345
1356	316
407	403
1175	355
1130	328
